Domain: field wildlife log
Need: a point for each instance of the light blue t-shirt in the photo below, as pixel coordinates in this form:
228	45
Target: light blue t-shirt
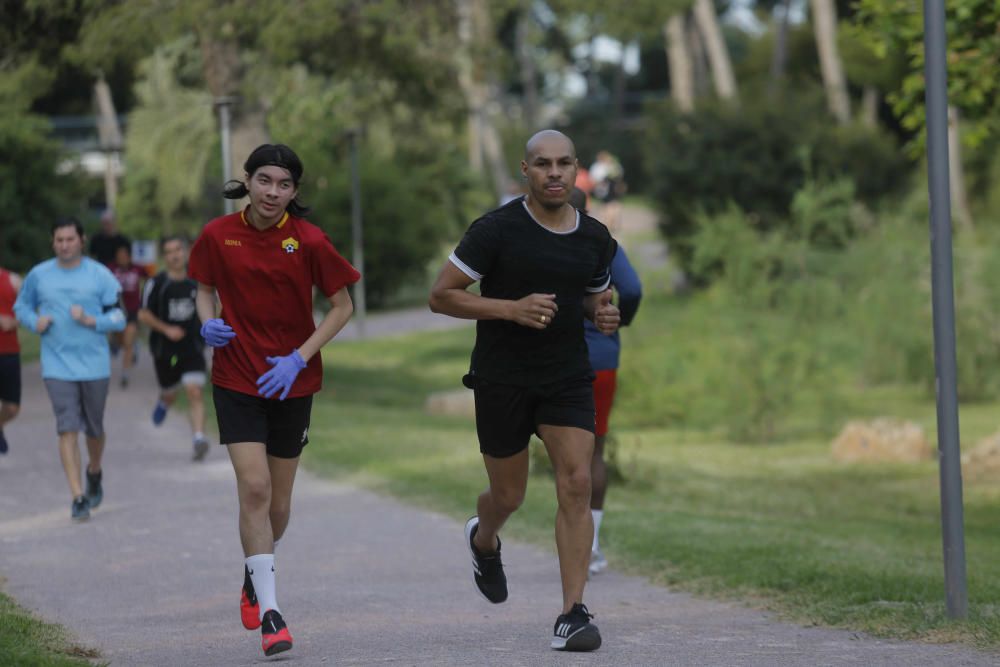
70	350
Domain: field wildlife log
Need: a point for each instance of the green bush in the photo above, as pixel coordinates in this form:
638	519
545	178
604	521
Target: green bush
33	190
757	158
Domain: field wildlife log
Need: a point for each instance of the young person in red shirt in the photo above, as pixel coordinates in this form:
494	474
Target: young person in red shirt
10	353
262	263
130	277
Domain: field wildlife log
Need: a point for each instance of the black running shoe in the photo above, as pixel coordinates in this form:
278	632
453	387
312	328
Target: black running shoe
575	632
274	635
487	569
80	510
95	492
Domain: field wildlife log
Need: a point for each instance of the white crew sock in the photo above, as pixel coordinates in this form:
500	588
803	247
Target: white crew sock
198	435
598	515
261	569
276	546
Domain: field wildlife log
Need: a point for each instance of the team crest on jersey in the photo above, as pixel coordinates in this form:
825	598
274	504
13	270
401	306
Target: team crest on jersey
290	245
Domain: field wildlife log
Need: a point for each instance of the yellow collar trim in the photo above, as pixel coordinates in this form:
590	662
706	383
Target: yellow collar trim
281	223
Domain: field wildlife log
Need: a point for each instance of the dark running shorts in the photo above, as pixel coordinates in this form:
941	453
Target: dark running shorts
10	378
507	415
283	426
172	370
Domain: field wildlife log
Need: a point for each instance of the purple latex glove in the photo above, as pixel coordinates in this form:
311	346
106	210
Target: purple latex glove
217	333
281	377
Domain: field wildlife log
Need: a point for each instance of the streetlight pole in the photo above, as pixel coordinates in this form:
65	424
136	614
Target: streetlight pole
357	250
943	298
222	105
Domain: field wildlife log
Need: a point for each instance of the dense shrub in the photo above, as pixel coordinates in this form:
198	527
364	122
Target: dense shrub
757	158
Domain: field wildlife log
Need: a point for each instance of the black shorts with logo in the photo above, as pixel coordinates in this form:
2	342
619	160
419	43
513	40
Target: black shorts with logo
507	415
283	426
171	369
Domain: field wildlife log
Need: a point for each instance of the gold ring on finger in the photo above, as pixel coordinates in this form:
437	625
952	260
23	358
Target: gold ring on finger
542	319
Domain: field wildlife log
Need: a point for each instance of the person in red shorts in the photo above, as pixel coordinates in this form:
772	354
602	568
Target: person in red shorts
604	352
10	353
130	277
262	264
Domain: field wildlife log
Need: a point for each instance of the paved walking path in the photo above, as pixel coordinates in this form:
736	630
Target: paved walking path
153	578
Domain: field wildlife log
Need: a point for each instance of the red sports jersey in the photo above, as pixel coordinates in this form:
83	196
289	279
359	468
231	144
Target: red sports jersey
8	339
265	281
130	278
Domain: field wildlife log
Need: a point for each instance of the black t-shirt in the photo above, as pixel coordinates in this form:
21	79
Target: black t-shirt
173	301
104	246
513	256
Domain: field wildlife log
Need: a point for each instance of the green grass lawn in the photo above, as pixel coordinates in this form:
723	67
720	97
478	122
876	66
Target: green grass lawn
780	525
26	641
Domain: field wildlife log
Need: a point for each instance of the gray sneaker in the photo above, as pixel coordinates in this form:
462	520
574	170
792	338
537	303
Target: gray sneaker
95	490
80	511
598	563
200	449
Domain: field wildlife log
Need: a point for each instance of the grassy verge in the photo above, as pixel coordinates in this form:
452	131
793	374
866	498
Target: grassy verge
779	525
27	641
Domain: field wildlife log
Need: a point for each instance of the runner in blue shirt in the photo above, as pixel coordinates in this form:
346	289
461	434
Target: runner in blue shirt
71	301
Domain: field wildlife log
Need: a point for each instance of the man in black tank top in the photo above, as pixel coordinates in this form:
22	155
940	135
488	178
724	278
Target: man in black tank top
543	267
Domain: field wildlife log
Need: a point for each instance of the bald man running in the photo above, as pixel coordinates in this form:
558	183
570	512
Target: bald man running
543	268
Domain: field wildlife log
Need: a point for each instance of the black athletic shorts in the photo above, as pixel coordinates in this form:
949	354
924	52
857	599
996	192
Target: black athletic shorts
507	415
283	426
10	378
172	369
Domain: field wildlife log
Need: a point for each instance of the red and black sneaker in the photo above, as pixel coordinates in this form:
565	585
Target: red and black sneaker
274	636
249	609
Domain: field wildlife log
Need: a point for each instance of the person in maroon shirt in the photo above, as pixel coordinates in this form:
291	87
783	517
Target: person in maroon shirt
130	277
10	353
262	264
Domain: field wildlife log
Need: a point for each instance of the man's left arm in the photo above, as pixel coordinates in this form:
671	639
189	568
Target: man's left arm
604	314
111	317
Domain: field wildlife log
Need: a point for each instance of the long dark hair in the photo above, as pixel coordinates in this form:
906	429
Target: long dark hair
276	155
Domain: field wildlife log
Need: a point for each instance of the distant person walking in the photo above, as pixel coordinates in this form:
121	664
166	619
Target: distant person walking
71	301
130	277
544	268
604	353
10	353
105	243
263	263
608	177
177	348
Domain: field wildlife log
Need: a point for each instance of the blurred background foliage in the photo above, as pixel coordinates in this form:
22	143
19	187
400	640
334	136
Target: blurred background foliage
778	142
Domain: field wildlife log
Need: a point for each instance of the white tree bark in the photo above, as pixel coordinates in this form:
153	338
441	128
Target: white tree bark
831	67
679	63
485	146
959	196
718	53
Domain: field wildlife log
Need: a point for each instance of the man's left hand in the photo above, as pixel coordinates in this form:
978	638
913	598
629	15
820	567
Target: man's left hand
606	315
282	376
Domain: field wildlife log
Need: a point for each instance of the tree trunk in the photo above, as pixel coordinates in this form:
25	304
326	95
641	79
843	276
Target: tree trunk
699	59
831	67
718	52
223	73
959	197
679	63
619	87
779	57
526	62
869	106
485	145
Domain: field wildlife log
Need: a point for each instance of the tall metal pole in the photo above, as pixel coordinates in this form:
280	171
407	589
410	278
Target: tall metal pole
357	252
223	105
952	530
